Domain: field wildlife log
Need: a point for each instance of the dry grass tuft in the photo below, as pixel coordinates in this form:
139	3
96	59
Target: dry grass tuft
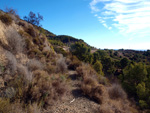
89	84
25	73
116	92
93	90
11	63
16	43
74	63
50	68
31	31
61	65
34	109
34	64
22	23
87	71
105	109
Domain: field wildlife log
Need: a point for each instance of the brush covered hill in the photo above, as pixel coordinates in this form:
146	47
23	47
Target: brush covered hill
35	78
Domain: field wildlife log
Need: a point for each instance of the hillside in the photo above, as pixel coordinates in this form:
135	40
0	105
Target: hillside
38	75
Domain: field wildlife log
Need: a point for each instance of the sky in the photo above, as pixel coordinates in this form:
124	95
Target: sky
104	24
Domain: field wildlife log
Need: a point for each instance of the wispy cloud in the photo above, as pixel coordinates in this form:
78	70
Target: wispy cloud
130	17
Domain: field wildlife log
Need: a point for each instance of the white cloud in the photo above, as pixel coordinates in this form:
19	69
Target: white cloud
109	28
130	17
93	5
96	15
105	25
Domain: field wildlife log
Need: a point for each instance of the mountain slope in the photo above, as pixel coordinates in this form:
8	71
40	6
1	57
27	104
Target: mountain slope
35	79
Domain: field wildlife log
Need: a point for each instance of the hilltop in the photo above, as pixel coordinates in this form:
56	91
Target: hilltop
41	72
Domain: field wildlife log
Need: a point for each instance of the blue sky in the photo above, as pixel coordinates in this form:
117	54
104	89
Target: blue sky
112	24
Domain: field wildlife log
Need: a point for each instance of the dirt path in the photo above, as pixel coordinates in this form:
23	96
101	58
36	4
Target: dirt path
74	101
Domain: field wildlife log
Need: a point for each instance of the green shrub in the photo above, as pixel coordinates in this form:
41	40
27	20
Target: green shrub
61	51
98	67
143	104
82	51
141	90
56	42
6	19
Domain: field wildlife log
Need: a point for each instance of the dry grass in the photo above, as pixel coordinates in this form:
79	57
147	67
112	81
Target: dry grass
30	88
74	63
16	107
16	43
11	63
50	68
25	73
45	92
22	23
115	107
14	18
116	103
86	70
3	59
116	92
105	109
34	109
4	105
6	19
34	64
30	30
61	65
89	83
90	88
29	44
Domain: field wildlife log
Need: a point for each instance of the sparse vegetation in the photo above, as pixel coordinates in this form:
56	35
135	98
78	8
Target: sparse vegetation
11	11
6	19
33	19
